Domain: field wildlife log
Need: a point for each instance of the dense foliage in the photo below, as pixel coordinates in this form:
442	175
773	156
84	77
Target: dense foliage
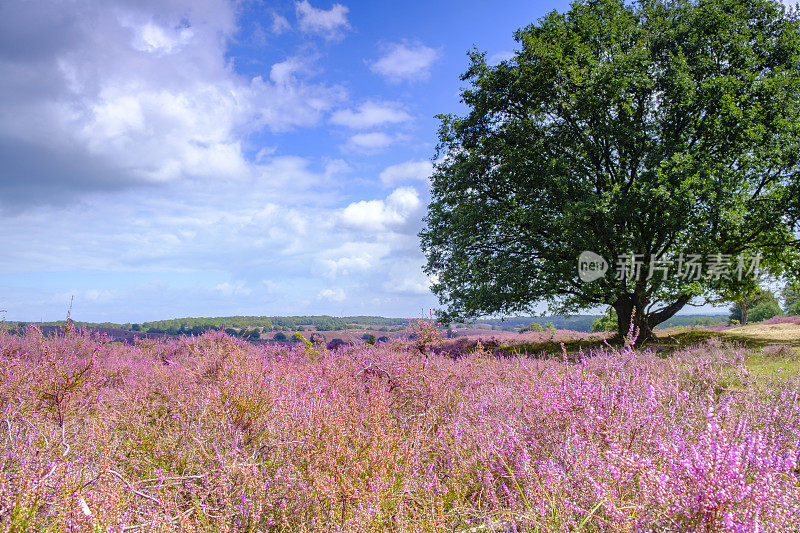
607	322
760	307
213	434
651	129
791	298
574	323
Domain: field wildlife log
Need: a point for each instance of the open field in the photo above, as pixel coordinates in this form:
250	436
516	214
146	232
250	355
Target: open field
214	434
786	333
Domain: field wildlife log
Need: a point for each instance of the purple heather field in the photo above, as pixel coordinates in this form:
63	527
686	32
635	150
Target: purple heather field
211	433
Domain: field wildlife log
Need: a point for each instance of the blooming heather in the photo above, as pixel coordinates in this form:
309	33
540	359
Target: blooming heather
212	433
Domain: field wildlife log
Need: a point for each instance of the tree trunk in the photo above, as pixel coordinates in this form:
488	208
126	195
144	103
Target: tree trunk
632	323
630	315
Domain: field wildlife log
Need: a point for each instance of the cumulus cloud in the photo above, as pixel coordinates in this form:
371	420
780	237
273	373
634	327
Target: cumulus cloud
143	101
499	57
399	208
279	24
406	62
411	281
369	142
237	288
353	257
332	295
154	38
329	23
286	176
370	115
195	251
124	94
408	171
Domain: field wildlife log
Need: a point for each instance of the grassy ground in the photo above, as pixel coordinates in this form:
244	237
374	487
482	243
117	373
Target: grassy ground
751	336
773	350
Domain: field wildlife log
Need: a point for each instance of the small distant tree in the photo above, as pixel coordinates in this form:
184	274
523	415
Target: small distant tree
279	336
335	343
791	298
368	338
536	327
607	322
762	307
253	334
744	301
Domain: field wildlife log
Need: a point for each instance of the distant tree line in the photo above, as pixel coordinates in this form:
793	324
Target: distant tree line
608	322
250	327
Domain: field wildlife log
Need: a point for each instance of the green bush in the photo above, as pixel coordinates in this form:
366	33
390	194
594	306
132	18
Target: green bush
607	322
791	298
765	310
765	306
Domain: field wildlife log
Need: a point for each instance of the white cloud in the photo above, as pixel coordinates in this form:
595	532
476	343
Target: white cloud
215	246
408	171
293	173
279	24
329	23
353	257
154	38
88	295
286	72
406	62
347	265
129	94
332	295
369	142
232	289
499	57
144	102
417	283
370	115
398	209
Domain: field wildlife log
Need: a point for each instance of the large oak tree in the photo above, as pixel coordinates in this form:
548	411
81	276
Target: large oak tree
658	128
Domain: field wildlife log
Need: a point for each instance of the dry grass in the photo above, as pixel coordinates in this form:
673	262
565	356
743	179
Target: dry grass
770	333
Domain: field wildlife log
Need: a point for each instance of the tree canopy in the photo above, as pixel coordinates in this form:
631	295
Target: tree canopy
755	308
664	132
791	297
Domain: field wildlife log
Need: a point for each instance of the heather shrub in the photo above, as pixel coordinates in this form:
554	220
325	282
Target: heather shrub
782	320
212	433
781	351
426	333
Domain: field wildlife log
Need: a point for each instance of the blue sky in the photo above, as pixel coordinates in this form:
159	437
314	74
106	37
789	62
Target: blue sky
186	158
